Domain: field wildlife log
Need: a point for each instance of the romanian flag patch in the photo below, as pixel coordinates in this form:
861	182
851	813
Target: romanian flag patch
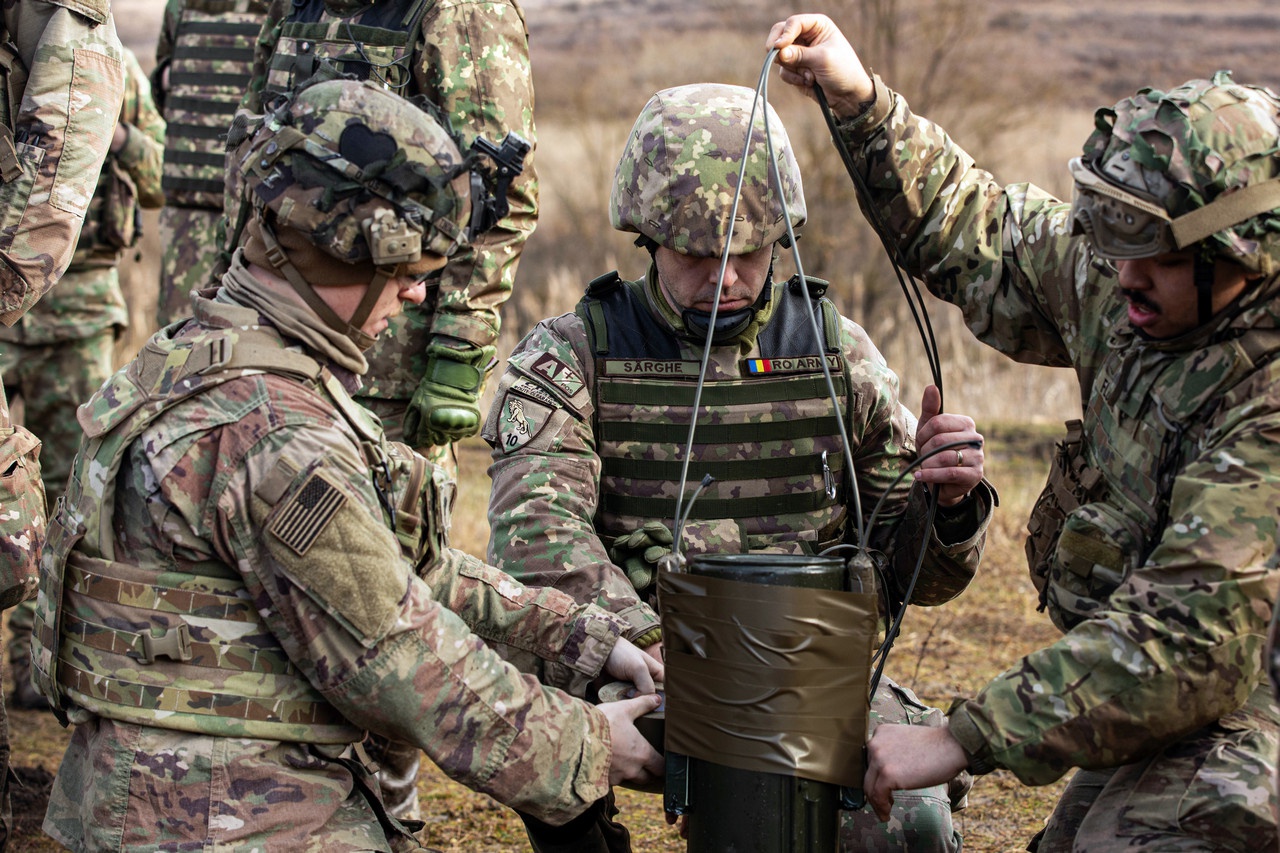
301	521
759	365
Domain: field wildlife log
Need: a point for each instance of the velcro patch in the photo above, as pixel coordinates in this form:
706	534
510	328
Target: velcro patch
520	421
305	516
560	374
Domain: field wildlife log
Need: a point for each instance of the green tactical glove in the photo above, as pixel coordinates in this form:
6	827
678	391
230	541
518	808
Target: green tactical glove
444	406
638	553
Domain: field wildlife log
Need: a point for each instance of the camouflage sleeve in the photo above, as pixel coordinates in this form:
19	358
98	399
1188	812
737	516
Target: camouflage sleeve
277	12
545	622
1017	272
63	126
297	514
882	433
143	153
546	476
1177	646
164	49
475	65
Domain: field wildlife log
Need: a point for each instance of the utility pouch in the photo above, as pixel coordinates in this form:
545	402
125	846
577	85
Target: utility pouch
120	226
1096	551
22	515
1070	482
422	496
13	81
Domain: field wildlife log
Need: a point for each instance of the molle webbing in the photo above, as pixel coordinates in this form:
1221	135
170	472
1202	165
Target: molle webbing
208	75
771	440
375	43
187	650
169	671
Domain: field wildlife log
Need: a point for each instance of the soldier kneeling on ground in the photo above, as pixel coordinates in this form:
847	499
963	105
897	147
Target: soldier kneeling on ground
244	578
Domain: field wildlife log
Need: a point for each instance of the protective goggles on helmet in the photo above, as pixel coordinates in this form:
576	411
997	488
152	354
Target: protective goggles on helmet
1122	223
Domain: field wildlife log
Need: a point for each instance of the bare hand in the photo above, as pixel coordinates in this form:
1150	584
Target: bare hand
634	763
955	472
812	50
627	663
902	758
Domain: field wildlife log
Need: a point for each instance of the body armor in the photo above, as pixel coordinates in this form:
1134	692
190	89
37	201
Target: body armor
374	42
770	437
186	648
208	75
1106	502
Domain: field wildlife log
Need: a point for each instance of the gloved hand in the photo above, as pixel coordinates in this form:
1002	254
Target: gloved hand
638	553
444	406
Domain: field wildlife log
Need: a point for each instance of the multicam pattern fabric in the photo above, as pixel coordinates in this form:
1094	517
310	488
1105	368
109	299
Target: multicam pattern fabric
268	494
1172	651
551	527
65	66
471	59
1200	139
339	152
62	128
676	186
88	299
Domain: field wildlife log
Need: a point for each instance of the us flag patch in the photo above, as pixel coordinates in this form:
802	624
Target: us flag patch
304	517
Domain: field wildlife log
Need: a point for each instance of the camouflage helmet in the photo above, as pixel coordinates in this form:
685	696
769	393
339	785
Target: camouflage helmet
676	181
362	174
1198	164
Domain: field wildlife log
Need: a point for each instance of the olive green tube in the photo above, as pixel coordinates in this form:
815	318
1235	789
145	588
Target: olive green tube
768	661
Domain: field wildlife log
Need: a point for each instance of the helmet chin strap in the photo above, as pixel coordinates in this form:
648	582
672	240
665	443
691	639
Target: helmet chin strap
351	328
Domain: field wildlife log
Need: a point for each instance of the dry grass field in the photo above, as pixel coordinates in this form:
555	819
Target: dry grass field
1015	83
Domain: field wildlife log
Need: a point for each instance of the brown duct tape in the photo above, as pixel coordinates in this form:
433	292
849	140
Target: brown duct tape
769	679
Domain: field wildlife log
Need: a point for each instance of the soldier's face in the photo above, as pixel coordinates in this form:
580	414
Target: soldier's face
345	299
690	282
1162	294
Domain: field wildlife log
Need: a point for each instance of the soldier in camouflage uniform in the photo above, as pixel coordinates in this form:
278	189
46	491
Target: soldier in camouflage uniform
1153	545
58	354
591	418
62	79
471	59
244	576
204	59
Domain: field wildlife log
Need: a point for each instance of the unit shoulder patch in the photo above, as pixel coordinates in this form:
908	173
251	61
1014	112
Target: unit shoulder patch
526	410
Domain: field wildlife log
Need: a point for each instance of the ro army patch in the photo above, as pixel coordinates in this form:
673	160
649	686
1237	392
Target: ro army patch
305	516
525	411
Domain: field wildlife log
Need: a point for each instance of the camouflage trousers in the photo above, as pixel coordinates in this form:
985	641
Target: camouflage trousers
53	380
189	236
921	818
1211	790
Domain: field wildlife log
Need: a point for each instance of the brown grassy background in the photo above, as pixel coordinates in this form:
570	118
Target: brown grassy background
1014	82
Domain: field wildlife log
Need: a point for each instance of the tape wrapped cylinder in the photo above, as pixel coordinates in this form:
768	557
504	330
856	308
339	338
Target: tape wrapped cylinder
767	678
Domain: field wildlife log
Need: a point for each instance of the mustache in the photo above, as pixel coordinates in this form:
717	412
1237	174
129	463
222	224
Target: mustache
1140	299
